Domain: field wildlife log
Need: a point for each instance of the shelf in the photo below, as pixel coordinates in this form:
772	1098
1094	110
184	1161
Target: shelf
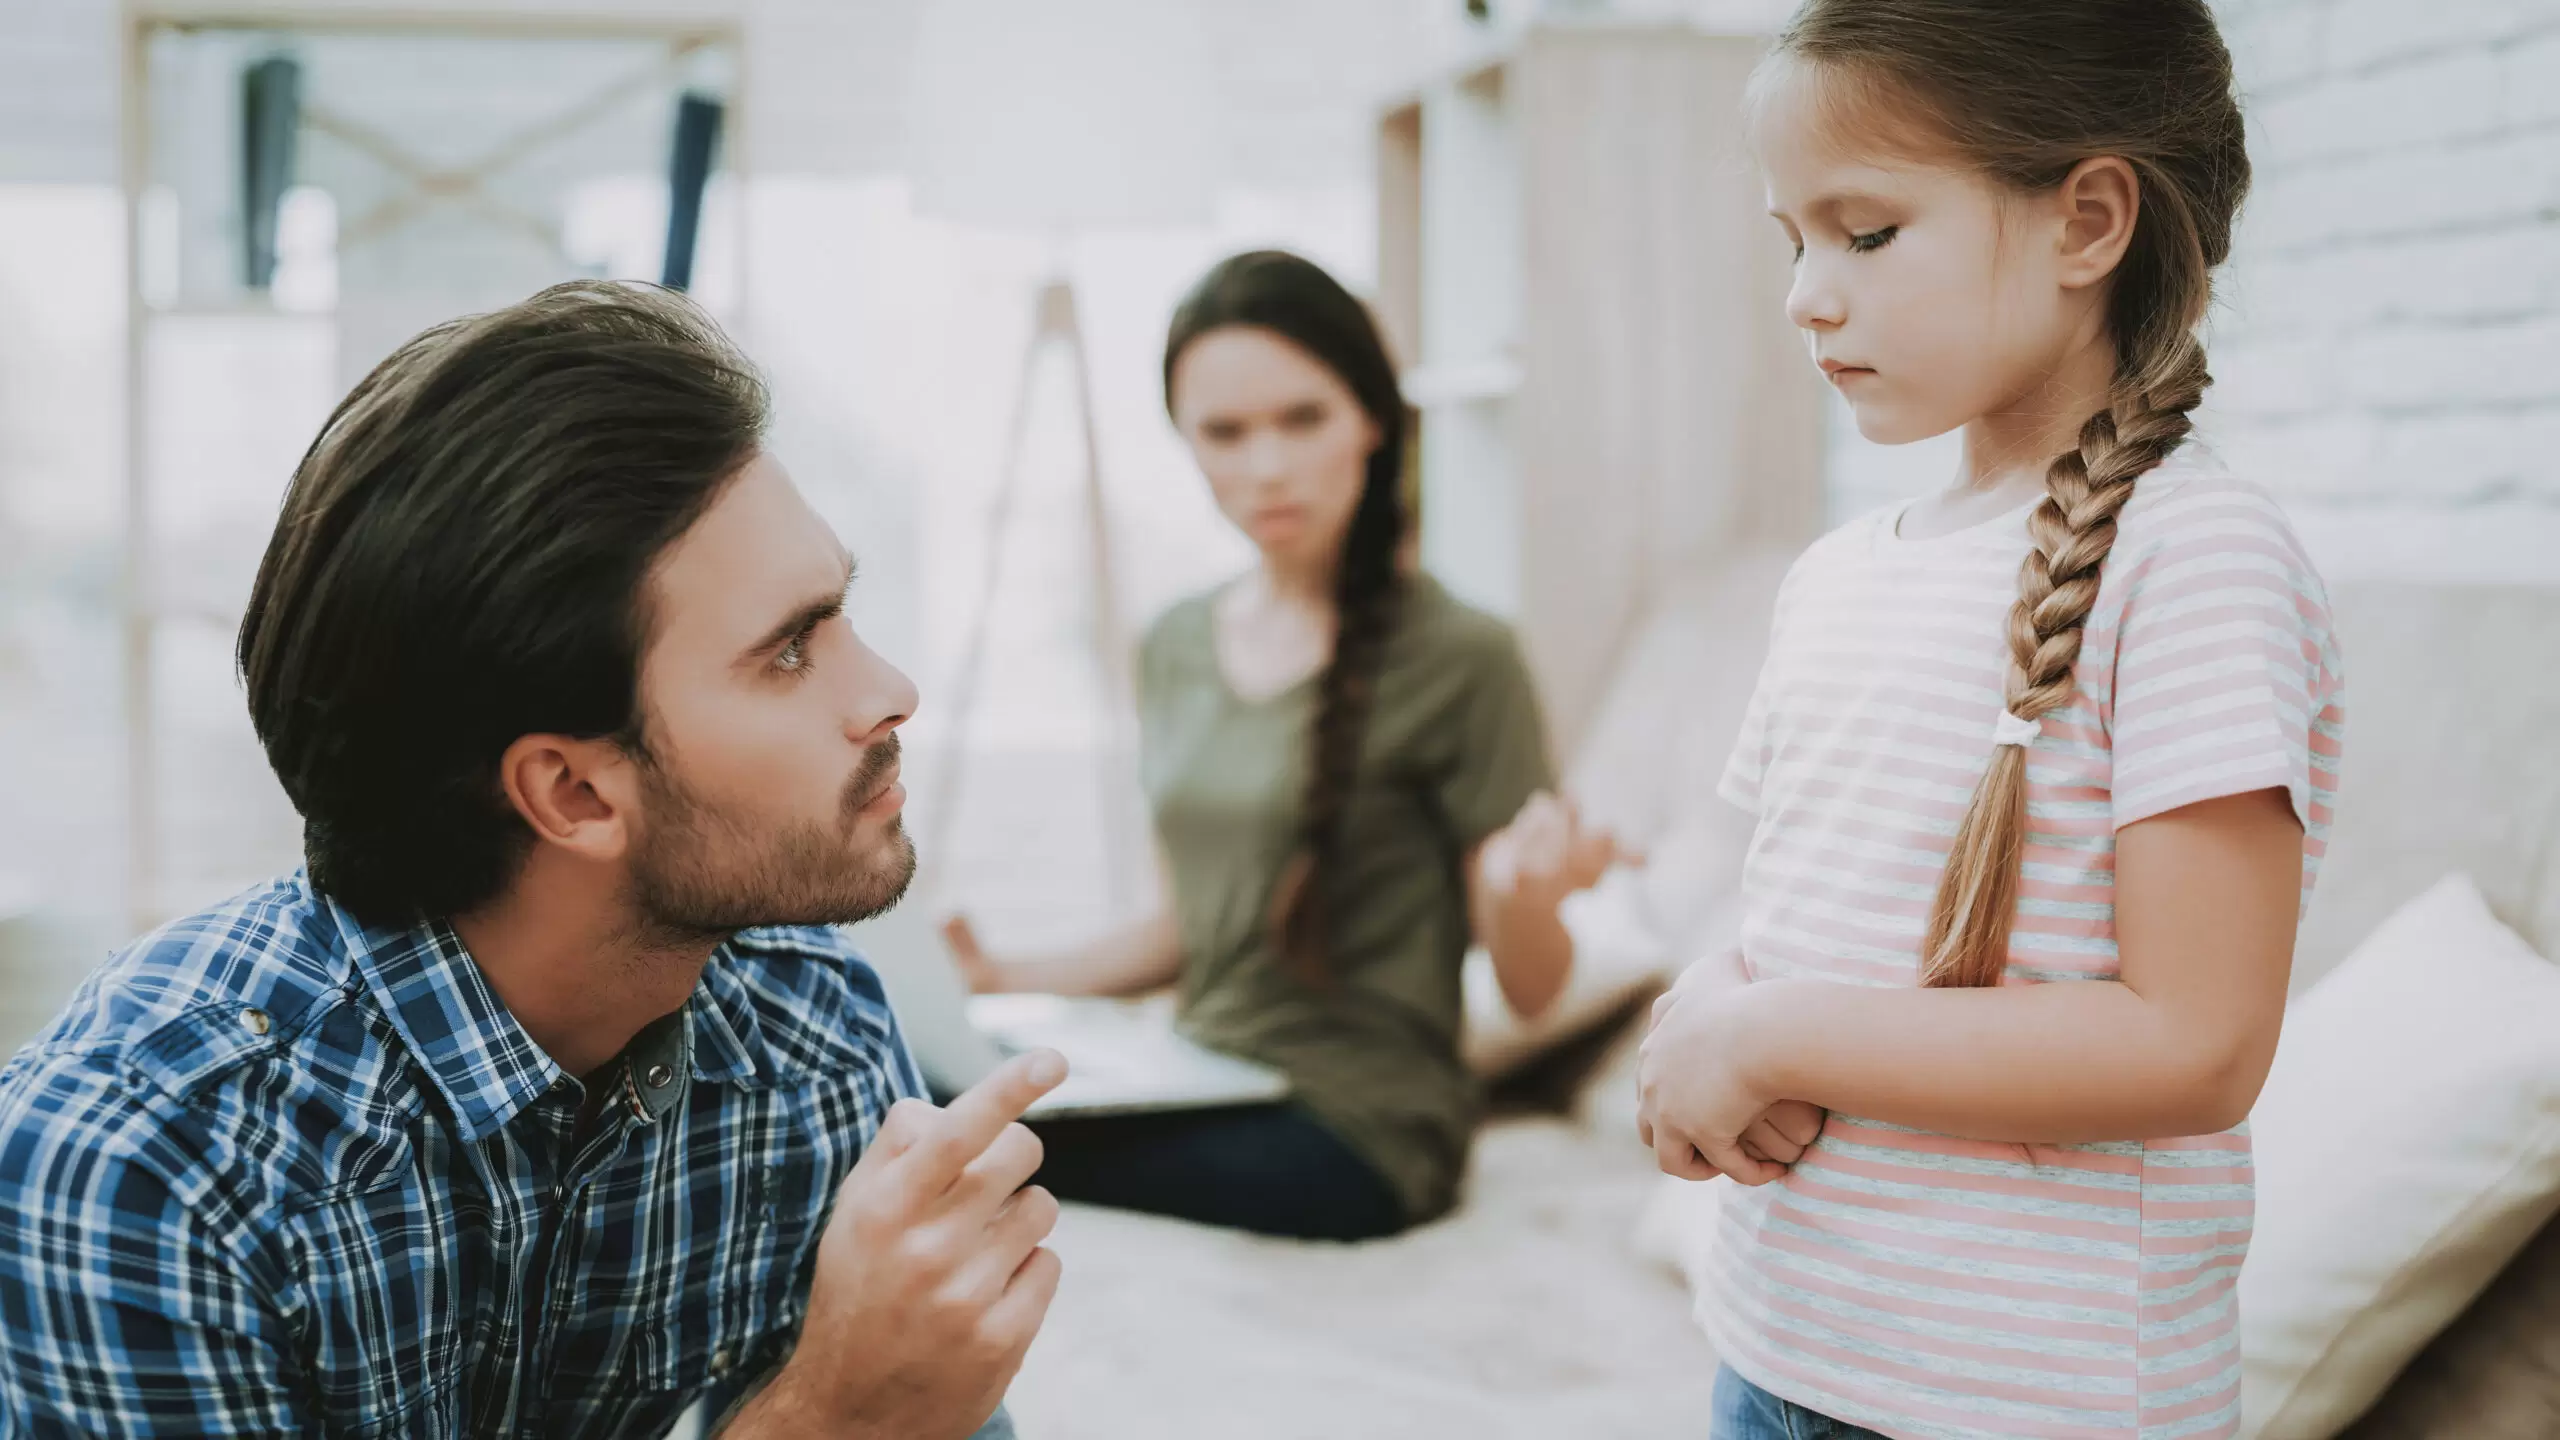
1429	387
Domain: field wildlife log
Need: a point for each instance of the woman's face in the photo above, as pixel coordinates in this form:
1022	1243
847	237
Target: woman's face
1283	441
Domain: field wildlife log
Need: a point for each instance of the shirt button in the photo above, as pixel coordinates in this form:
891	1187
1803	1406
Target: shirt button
660	1077
720	1362
256	1020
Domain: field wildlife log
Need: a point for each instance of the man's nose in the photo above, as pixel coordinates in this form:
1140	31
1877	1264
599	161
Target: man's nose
883	697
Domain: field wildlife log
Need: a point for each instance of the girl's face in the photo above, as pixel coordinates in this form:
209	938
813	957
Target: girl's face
1284	442
1929	295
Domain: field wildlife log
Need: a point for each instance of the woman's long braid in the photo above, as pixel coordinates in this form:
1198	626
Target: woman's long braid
1367	591
2073	530
1293	298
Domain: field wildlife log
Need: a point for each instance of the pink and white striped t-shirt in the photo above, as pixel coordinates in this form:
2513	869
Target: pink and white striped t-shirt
1927	1286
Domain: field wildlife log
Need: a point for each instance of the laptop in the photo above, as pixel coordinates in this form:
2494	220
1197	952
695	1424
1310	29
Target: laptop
1123	1057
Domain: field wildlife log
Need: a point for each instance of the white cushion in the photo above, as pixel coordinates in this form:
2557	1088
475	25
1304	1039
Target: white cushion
2408	1144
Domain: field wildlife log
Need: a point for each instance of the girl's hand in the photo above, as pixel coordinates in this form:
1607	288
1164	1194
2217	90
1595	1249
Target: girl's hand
1716	974
980	972
1702	1113
1785	1130
1780	1136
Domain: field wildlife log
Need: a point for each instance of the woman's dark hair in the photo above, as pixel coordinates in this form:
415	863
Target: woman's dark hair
2023	93
463	559
1296	300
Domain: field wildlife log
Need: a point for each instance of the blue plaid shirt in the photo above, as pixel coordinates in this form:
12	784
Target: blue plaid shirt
273	1172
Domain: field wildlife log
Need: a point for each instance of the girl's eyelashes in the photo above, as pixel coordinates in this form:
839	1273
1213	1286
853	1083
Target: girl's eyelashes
1866	244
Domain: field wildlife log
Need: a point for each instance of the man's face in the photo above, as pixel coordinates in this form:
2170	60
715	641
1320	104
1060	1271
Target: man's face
770	787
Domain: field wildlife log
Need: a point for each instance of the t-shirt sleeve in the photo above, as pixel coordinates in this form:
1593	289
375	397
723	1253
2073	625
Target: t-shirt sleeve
1501	757
1740	784
1748	765
2226	677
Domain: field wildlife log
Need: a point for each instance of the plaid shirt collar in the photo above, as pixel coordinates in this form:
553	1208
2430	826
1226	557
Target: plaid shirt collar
476	1054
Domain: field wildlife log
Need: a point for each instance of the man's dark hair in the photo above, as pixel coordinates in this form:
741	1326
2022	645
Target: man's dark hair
463	559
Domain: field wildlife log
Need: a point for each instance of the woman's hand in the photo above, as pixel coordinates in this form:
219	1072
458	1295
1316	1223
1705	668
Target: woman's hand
1699	1108
1131	960
1516	877
1545	854
980	972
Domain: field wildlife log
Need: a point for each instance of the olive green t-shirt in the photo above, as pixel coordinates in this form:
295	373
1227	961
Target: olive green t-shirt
1454	746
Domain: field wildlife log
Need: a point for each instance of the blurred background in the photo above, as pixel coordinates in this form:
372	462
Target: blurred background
953	230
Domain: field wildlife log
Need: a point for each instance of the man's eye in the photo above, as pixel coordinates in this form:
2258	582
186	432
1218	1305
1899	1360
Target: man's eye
793	658
1873	240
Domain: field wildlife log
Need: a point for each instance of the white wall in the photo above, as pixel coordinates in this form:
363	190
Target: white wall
2390	353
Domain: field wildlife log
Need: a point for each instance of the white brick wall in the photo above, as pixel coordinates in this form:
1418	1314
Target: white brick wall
2389	343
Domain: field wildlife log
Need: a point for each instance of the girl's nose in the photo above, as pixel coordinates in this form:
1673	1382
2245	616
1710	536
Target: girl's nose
1813	303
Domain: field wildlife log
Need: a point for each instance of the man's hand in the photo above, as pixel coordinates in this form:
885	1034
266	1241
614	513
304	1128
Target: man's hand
931	1280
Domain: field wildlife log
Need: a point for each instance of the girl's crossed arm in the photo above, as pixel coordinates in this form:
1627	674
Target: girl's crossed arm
2207	898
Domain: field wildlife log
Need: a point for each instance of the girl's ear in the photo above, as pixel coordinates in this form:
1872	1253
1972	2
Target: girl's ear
2098	204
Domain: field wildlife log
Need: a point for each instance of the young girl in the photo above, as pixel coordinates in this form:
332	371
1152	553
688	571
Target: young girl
2042	766
1349	777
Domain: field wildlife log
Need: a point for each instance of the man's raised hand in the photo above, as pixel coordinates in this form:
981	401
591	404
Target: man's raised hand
931	1278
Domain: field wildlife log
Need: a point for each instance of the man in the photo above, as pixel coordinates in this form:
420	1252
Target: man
504	1117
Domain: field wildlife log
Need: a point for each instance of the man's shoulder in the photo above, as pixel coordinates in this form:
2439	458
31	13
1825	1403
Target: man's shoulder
164	1056
815	1004
225	979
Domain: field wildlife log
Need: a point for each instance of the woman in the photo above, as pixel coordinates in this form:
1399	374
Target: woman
1331	748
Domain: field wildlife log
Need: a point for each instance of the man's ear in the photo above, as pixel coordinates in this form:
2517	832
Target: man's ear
2098	204
580	795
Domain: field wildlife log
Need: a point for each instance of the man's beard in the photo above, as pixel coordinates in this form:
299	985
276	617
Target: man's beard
701	873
